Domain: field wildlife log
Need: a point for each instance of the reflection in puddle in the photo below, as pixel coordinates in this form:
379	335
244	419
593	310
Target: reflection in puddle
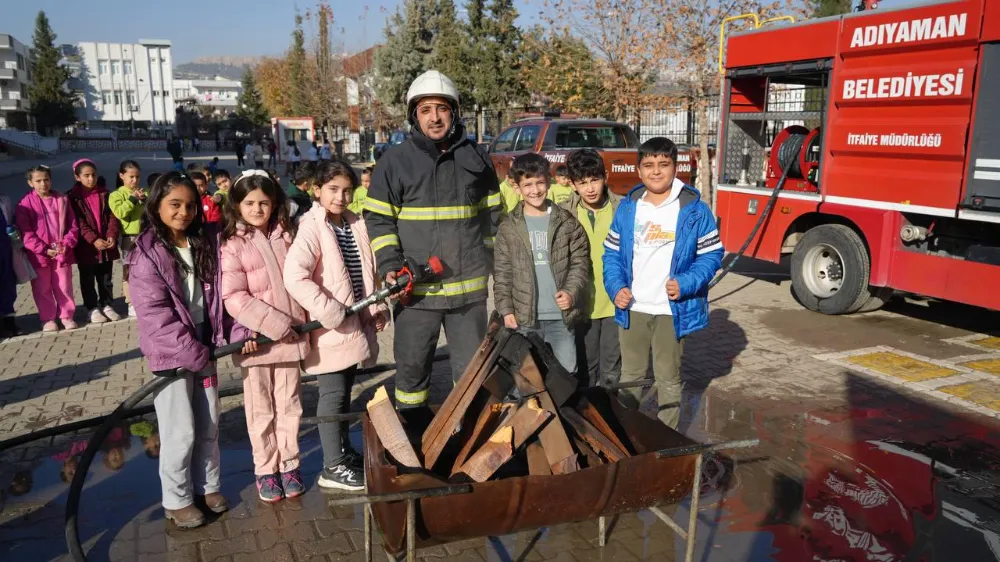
873	476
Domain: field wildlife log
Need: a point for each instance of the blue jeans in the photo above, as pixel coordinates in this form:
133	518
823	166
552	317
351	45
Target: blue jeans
560	339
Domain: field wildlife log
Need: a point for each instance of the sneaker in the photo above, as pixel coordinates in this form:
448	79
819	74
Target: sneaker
214	502
185	518
131	311
111	314
354	459
291	481
50	326
342	477
69	324
269	488
96	317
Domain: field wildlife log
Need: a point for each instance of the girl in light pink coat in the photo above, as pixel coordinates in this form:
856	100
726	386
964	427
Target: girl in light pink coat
50	233
256	239
330	266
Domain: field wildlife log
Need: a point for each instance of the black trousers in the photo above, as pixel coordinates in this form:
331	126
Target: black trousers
598	350
415	340
335	398
239	158
96	285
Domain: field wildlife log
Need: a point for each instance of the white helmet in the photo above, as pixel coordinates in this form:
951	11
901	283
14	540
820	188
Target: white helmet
431	83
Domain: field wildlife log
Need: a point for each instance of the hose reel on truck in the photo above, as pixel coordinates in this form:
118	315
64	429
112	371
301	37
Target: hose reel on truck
794	155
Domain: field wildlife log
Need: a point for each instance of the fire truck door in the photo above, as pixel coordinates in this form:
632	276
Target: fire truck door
982	191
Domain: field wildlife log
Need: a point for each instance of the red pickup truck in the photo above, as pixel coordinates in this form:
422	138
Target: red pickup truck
555	138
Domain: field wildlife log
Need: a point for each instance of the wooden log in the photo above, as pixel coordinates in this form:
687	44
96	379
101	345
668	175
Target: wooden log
590	413
491	456
538	465
558	450
390	430
526	420
488	421
592	436
448	418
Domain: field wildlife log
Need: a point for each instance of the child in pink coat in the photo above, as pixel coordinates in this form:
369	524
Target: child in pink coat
48	229
329	267
256	239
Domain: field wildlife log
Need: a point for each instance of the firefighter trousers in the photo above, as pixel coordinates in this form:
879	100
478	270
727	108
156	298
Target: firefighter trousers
415	341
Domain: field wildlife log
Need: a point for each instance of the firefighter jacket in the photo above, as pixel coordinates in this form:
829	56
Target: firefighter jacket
424	202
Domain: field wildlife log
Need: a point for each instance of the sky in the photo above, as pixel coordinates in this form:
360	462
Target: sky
199	28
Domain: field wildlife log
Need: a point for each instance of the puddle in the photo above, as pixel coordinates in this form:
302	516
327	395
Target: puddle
876	476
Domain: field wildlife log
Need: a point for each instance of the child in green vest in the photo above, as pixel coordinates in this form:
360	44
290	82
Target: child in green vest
594	205
561	191
361	192
127	204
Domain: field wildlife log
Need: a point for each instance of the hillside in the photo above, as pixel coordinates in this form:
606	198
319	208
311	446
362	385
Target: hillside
210	67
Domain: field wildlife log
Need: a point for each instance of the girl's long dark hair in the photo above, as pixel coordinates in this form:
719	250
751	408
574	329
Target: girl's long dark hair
201	240
243	186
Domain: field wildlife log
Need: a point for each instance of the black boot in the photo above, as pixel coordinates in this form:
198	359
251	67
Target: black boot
8	327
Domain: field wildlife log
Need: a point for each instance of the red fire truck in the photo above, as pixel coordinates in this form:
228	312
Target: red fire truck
867	146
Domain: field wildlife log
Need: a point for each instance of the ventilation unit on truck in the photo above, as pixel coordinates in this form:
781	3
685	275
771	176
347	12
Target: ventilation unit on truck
982	193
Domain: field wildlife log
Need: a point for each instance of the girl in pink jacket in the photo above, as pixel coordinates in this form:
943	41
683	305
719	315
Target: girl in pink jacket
49	231
255	242
330	266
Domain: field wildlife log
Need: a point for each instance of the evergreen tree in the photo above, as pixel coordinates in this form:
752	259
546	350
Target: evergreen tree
824	8
449	50
51	101
296	68
406	53
498	64
251	105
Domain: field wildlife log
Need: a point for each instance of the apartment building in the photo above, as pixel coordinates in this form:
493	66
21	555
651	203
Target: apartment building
126	85
15	78
219	93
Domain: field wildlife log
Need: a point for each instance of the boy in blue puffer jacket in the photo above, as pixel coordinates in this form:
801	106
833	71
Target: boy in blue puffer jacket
660	254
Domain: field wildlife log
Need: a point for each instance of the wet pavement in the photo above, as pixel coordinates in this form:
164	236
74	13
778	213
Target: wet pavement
877	474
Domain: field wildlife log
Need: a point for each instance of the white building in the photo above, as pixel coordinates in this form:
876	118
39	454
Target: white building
126	84
15	77
219	93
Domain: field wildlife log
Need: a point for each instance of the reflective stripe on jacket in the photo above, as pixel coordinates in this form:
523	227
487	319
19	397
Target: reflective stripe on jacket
423	202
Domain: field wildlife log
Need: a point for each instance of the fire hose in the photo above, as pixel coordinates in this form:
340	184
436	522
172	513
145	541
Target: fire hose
788	160
410	274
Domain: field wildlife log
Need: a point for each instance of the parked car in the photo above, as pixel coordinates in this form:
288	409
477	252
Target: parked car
397	137
555	138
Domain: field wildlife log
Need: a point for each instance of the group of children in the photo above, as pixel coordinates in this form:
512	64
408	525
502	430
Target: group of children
195	286
605	281
88	226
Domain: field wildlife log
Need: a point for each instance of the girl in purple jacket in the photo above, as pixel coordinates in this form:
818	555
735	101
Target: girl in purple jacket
174	283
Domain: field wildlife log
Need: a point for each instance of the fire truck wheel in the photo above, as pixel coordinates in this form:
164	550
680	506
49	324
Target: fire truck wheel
830	268
879	296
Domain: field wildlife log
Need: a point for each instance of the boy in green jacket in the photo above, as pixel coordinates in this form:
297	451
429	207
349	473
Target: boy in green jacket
594	205
127	204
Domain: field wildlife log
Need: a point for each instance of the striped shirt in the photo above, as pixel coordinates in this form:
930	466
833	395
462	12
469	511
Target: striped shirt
352	258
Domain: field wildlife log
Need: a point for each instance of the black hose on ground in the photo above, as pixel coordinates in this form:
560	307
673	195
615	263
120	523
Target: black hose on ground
148	408
760	221
157	384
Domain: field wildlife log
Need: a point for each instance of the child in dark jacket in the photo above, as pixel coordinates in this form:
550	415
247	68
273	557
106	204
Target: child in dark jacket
175	279
660	255
98	247
542	263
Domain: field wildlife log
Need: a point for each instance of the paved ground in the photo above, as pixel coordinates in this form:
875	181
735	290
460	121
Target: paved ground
856	415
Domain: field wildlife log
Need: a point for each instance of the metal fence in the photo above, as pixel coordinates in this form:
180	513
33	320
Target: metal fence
677	122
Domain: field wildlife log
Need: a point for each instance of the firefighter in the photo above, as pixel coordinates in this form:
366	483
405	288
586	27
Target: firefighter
436	194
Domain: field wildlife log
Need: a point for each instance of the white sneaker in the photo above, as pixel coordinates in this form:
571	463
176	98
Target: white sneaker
111	314
96	317
131	311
